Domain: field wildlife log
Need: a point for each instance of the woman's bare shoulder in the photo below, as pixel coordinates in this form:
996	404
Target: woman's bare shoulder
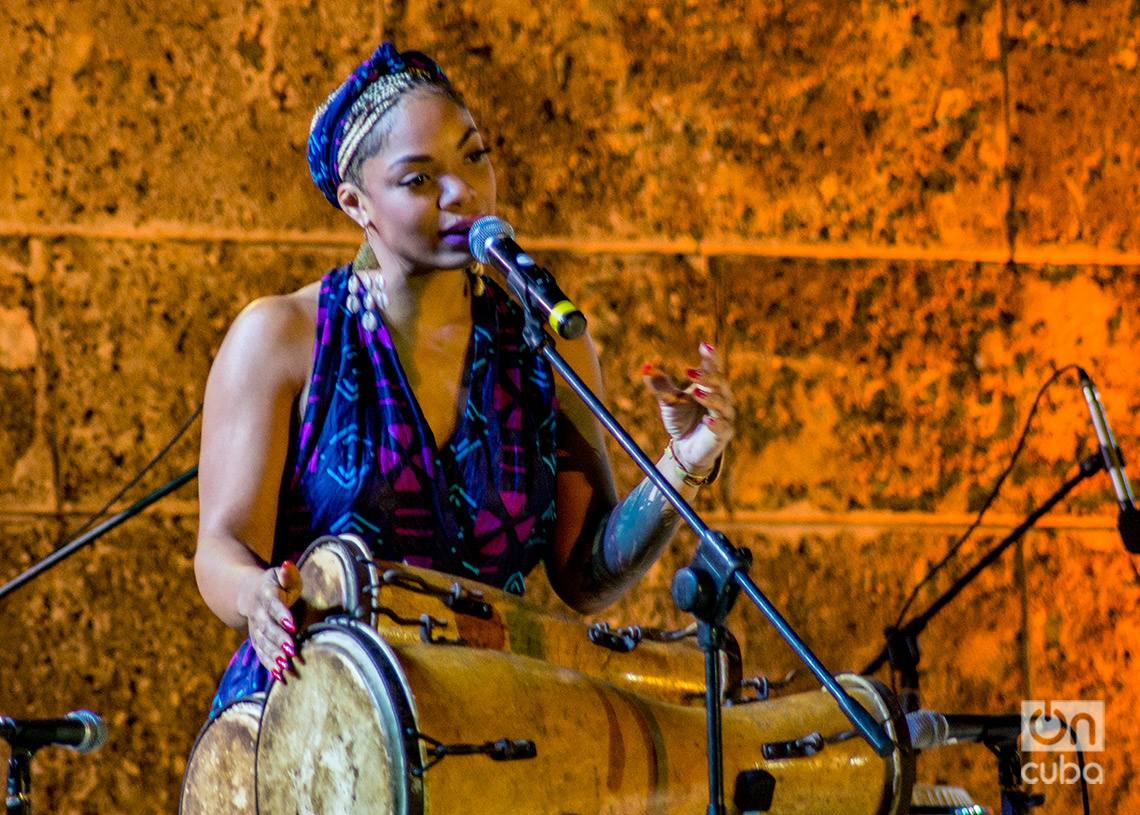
275	334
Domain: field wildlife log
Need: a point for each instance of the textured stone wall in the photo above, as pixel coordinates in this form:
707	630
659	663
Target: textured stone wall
895	219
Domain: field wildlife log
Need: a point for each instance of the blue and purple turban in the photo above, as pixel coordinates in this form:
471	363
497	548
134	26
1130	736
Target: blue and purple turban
341	123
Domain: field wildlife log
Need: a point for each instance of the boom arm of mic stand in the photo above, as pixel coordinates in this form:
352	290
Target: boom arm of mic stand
1090	466
714	548
109	524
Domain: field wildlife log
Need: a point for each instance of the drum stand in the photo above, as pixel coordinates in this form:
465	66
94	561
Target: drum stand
707	587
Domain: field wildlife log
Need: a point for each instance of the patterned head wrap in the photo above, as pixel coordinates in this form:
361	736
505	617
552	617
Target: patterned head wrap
341	123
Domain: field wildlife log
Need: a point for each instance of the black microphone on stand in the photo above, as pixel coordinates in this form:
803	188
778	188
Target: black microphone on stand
1129	520
492	240
80	730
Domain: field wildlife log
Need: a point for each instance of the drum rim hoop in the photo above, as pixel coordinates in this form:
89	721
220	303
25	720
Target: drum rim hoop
901	761
351	551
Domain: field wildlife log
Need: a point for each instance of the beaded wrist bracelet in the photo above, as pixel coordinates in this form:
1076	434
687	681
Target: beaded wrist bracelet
686	476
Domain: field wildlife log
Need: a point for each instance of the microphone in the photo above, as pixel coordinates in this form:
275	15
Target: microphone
1129	520
492	240
80	730
929	729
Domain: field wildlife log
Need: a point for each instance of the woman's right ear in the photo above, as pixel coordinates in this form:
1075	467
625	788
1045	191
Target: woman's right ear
350	198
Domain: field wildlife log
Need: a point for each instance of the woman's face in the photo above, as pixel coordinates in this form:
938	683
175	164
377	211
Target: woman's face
429	183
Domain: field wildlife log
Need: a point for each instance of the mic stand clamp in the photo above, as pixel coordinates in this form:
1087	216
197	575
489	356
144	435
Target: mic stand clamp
707	590
904	654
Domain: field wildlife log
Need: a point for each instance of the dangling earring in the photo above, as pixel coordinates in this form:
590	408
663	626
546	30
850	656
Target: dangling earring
366	294
365	258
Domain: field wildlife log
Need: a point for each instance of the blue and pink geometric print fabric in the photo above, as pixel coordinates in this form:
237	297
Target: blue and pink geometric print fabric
481	504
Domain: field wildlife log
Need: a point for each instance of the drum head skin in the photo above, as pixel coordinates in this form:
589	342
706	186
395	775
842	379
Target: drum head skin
338	577
331	737
220	771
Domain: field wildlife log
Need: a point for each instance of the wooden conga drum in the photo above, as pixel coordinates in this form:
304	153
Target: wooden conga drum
374	728
407	604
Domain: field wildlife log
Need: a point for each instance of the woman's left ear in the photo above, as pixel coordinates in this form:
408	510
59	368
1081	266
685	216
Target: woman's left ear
349	196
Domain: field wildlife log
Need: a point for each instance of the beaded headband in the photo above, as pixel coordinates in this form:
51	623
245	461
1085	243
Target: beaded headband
341	123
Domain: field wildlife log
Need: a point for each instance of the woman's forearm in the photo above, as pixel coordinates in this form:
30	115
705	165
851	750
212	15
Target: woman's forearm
632	536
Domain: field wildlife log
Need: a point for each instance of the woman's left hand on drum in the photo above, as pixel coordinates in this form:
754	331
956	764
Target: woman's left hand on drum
271	625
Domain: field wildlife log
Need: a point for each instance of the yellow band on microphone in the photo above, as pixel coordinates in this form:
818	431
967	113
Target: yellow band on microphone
559	312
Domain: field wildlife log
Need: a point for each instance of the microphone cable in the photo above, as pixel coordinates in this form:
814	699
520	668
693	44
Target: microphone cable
990	498
138	477
1081	766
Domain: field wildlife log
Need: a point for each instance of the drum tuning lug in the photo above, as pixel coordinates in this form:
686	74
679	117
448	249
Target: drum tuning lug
470	603
621	640
804	747
428	624
763	687
512	750
754	791
501	750
459	599
760	684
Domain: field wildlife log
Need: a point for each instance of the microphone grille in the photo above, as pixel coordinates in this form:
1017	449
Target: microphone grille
927	729
483	232
95	730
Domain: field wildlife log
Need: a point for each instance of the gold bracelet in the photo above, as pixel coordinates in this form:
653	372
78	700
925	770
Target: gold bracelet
687	477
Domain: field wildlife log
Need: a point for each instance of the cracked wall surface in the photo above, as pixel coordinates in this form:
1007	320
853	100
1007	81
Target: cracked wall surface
896	220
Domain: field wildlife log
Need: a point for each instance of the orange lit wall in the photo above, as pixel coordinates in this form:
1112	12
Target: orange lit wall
895	219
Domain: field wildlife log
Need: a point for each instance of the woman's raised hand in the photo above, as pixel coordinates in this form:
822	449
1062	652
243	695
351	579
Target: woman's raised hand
699	415
267	599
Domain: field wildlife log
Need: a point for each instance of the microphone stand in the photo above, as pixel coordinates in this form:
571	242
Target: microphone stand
708	586
1015	799
70	549
903	653
19	794
19	799
902	649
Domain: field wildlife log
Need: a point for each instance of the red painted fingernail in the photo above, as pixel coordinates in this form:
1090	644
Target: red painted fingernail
647	368
282	663
277	675
702	392
693	373
287	563
708	347
288	625
288	648
708	421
